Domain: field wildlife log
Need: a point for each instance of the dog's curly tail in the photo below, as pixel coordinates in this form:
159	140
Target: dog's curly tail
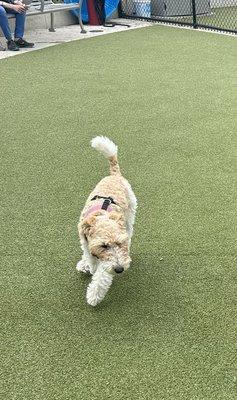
109	150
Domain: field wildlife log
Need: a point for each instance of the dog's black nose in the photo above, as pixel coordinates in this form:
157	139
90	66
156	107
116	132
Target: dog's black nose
118	270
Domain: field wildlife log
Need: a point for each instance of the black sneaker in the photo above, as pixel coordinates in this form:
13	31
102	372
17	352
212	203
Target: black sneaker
23	43
11	45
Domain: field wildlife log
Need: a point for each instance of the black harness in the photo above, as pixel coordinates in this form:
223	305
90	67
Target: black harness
106	203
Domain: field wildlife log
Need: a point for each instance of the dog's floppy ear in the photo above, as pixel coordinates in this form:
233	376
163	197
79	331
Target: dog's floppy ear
86	225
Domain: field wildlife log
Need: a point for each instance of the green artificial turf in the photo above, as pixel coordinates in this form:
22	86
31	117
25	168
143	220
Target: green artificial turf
219	17
167	328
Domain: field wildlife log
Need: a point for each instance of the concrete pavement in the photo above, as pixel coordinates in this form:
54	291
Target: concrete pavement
43	38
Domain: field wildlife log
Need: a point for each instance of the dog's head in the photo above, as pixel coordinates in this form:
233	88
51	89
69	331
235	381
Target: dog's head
107	240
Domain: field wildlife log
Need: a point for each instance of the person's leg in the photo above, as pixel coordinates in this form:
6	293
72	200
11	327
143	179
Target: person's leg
20	25
19	30
11	45
4	24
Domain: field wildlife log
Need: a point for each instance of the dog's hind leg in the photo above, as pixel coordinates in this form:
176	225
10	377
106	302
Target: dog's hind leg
99	286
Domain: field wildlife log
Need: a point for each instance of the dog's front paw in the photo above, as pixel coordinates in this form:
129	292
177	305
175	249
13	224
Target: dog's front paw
92	302
83	266
98	287
92	296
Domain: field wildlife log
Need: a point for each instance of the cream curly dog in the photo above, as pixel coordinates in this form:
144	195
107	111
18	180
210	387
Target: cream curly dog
106	226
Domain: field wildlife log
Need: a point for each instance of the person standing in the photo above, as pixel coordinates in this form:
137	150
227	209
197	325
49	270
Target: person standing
17	8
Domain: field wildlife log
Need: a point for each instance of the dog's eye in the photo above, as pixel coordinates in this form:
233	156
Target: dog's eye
105	246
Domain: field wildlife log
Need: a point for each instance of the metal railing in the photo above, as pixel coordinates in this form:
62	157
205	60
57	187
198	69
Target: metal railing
210	14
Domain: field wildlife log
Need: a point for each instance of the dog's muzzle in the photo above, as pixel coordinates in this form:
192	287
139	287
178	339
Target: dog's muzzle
119	270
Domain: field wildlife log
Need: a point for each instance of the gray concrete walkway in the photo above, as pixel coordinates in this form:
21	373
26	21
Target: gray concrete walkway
43	38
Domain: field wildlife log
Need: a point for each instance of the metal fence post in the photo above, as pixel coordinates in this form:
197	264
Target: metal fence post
194	14
120	13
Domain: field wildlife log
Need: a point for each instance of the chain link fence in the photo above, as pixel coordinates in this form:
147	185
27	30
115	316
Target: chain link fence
209	14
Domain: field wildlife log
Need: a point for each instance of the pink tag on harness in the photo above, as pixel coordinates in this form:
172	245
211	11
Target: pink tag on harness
96	208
